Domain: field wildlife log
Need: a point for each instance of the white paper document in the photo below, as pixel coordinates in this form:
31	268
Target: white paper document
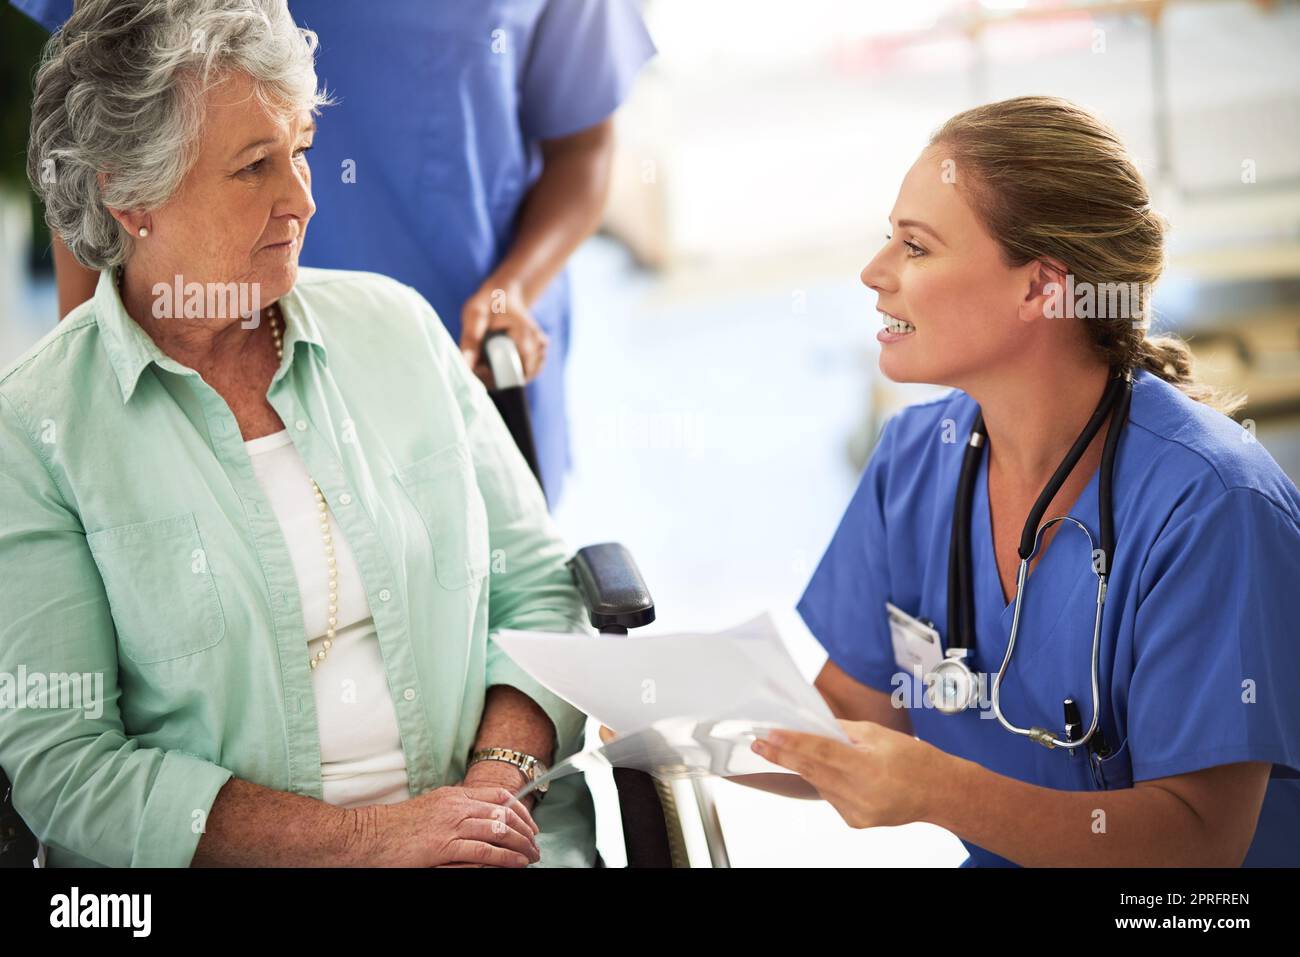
681	703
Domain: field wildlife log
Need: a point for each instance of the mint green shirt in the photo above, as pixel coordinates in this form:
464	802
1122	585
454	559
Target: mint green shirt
139	558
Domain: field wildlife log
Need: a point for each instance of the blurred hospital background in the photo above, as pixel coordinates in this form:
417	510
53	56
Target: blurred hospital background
723	381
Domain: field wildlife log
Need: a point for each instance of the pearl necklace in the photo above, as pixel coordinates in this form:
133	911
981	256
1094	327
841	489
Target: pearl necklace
277	336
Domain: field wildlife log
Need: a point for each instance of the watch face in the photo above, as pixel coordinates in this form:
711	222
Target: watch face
540	769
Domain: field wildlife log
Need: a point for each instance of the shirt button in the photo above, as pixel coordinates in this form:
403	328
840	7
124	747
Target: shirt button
345	499
300	425
385	594
409	694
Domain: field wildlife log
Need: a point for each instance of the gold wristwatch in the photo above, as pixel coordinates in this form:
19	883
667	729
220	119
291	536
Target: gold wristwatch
531	767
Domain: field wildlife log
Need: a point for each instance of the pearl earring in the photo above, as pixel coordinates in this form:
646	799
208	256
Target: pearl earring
144	231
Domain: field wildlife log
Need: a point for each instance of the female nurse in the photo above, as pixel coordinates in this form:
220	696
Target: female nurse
994	280
467	155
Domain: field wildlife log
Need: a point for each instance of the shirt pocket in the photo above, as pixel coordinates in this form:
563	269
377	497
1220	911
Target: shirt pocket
441	486
1115	771
160	589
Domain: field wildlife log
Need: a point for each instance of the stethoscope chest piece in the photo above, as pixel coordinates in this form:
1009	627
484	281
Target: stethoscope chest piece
952	686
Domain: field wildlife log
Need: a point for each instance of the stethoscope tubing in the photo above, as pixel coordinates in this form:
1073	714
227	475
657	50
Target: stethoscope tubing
1116	399
1042	735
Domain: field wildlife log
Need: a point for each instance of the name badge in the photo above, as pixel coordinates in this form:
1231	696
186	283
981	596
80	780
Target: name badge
917	649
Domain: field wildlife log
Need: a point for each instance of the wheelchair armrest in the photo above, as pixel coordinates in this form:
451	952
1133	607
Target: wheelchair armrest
612	588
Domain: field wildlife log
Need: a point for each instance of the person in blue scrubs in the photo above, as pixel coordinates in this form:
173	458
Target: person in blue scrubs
1199	653
467	155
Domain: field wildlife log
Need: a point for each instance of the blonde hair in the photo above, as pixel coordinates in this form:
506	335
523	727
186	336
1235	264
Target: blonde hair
1049	179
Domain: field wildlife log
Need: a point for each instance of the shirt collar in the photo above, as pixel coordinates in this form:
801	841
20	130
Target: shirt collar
130	349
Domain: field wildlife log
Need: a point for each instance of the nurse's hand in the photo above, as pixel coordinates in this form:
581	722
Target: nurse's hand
881	779
500	305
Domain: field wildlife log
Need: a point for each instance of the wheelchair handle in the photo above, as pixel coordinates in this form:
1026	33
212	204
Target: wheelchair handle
508	395
503	359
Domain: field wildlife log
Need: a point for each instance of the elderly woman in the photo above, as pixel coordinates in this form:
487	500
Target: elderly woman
270	512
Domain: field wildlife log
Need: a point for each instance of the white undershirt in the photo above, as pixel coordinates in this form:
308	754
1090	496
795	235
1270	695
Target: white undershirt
360	745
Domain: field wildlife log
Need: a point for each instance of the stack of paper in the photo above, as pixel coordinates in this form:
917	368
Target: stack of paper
680	703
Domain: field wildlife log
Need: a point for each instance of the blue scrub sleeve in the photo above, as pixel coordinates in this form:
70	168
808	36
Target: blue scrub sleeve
584	57
1216	643
844	603
48	13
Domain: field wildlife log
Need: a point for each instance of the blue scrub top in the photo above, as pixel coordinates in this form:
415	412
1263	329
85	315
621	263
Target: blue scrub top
1200	649
420	169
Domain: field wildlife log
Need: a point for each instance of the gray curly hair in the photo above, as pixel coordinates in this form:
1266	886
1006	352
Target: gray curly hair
120	91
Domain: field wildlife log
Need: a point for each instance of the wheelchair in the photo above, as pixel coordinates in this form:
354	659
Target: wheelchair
617	599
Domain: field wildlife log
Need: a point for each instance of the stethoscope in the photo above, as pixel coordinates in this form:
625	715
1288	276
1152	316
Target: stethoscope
953	685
